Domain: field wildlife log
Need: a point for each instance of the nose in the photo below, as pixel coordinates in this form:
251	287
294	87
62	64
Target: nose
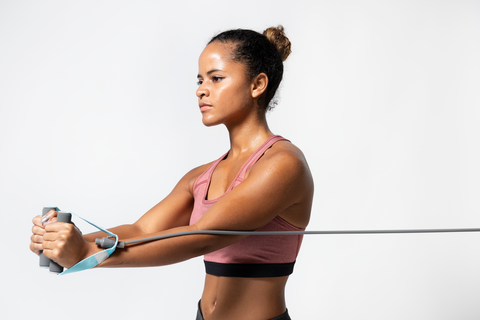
202	91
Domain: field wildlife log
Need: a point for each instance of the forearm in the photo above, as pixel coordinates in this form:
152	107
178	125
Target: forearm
125	231
167	251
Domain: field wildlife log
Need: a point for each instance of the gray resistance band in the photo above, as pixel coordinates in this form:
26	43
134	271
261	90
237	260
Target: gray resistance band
111	243
108	242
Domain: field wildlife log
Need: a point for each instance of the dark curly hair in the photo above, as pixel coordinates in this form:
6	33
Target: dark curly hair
260	53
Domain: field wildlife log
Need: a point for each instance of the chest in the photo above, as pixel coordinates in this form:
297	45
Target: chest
223	176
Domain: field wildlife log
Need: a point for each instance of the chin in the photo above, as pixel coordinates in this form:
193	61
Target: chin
210	122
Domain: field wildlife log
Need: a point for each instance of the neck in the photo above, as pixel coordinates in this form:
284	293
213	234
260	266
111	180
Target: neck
248	136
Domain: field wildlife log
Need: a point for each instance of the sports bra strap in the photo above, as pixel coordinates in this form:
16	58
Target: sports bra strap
258	154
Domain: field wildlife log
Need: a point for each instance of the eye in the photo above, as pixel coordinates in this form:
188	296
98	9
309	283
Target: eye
199	82
216	78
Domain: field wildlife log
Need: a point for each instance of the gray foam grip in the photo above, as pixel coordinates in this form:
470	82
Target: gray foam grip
44	261
61	217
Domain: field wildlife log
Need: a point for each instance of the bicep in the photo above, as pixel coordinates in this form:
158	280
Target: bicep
271	188
173	211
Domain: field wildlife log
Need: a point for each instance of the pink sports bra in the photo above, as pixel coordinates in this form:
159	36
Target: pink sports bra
253	256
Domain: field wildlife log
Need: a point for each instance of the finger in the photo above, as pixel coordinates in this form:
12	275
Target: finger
49	217
48	252
50	236
54	219
58	232
37	220
47	245
52	214
52	250
35	248
38	230
36	238
58	226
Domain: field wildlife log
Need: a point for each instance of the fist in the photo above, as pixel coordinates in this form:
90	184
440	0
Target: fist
63	243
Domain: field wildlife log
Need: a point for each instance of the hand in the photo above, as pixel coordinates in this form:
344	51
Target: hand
64	244
38	230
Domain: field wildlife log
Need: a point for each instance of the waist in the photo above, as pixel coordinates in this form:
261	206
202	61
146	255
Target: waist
224	297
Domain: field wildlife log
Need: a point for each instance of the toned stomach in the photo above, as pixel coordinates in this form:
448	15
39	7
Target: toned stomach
243	298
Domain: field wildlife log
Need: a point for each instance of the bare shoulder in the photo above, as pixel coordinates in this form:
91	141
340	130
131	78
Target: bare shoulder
284	156
285	164
284	175
288	150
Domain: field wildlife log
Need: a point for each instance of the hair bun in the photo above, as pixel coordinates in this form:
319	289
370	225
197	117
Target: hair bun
276	35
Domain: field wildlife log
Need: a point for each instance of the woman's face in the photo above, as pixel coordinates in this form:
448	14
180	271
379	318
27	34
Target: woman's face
224	94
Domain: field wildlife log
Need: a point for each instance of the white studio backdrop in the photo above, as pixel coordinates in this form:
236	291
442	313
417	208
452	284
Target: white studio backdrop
98	115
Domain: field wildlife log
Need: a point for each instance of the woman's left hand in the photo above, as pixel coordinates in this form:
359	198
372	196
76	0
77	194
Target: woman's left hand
64	244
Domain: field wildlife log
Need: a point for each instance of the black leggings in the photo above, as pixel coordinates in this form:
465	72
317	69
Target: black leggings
284	316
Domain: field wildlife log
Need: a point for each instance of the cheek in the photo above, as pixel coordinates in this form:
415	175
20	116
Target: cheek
233	95
229	97
246	96
240	94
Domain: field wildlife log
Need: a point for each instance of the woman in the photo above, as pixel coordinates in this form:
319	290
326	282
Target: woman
263	182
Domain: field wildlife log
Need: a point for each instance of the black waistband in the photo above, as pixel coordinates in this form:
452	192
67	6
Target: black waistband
264	270
284	316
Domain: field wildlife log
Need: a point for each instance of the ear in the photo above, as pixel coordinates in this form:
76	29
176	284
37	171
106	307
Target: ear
259	85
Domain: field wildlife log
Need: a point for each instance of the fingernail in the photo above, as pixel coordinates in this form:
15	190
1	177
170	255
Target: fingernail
45	219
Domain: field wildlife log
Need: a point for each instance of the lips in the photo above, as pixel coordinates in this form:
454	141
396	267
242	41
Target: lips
204	107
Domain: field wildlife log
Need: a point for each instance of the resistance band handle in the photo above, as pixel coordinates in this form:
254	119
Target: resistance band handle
65	217
108	242
44	261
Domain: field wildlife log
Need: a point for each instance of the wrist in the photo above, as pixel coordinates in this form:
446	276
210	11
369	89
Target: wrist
90	249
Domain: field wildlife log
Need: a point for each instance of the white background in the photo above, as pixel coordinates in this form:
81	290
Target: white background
98	116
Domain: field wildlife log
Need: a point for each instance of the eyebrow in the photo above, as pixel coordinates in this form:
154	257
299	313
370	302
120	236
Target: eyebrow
209	72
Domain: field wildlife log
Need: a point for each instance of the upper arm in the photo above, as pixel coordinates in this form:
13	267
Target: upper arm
175	209
278	181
